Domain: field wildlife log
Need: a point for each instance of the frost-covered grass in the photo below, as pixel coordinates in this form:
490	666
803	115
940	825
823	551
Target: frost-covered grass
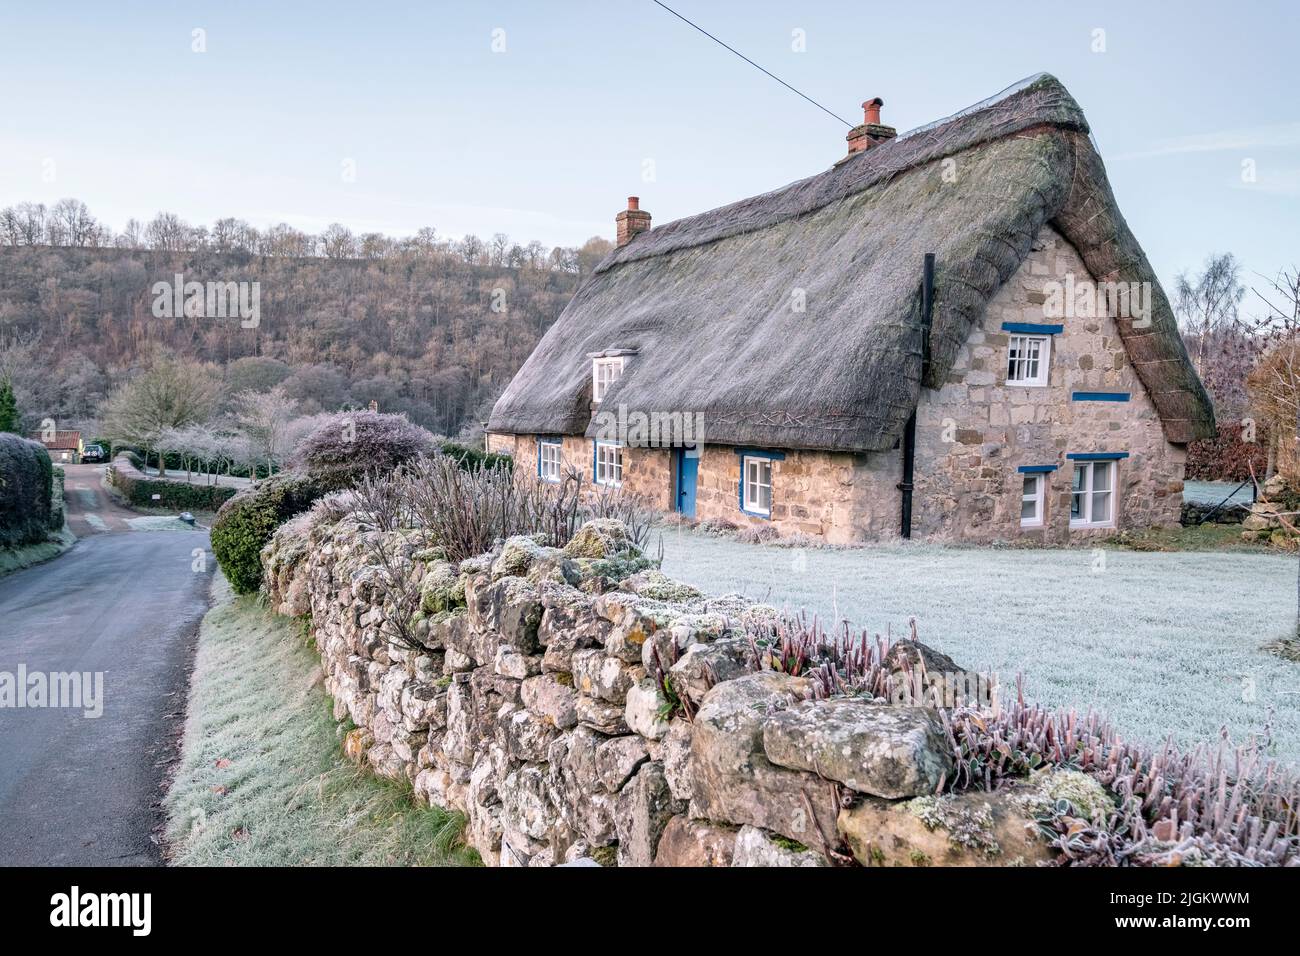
262	779
1165	643
15	559
158	523
1213	492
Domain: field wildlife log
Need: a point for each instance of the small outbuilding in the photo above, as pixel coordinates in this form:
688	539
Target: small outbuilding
65	447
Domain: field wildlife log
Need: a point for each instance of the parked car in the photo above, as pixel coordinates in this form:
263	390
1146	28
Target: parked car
94	453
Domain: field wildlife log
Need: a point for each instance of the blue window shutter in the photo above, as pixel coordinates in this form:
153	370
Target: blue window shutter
1096	455
1099	397
1031	328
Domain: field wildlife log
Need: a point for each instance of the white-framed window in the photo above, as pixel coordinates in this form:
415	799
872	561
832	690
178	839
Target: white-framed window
549	459
604	372
1031	500
756	491
608	464
1092	494
1028	357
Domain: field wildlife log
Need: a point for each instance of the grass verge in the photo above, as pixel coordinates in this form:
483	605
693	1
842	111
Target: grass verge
262	779
15	559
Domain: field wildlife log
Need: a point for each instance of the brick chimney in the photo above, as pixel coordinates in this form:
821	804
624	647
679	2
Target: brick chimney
631	221
872	131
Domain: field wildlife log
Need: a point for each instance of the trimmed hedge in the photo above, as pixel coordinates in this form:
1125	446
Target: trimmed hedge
247	521
125	475
348	445
26	491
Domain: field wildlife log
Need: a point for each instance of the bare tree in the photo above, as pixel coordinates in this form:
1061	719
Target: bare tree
1208	302
337	242
75	225
264	418
168	395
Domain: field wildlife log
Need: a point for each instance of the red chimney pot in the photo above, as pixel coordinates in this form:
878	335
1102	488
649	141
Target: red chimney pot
630	222
871	111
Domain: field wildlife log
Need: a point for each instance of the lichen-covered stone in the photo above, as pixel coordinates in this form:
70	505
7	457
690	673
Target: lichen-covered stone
703	665
517	555
618	758
676	757
597	674
647	709
511	663
968	829
732	779
569	623
510	609
525	804
573	788
551	700
441	589
601	538
757	847
644	808
553	566
601	715
655	584
1043	793
884	751
525	736
687	842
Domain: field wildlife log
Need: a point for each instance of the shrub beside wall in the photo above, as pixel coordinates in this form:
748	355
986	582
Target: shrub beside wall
246	522
139	488
1226	457
26	491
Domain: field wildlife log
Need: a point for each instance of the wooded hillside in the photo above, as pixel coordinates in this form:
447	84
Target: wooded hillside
433	329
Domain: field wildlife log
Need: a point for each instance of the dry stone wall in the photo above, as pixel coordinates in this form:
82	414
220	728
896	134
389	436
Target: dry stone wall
579	707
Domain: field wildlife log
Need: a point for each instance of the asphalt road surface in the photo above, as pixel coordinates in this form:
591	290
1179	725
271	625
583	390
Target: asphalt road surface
78	790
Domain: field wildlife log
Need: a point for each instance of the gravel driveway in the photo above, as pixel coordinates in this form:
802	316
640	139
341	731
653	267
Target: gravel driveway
1166	643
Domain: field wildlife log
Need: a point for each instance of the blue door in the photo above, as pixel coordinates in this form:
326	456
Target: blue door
688	469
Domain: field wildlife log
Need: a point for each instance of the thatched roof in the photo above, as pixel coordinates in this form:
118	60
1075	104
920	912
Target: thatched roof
706	301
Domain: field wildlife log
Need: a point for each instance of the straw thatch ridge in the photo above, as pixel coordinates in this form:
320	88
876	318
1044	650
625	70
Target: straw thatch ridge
711	303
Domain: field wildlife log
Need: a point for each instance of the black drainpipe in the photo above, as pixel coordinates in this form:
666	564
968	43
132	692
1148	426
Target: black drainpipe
909	434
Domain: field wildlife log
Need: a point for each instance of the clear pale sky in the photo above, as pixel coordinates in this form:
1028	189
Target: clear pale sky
546	139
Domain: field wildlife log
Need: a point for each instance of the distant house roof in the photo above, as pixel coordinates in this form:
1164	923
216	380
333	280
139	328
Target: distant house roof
62	441
706	301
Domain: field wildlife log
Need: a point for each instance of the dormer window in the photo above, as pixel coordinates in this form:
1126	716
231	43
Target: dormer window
604	372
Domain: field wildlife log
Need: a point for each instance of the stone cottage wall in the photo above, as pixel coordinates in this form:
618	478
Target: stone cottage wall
975	431
838	497
537	702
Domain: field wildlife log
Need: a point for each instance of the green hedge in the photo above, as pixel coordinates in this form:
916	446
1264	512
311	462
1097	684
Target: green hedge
26	491
247	521
471	458
124	474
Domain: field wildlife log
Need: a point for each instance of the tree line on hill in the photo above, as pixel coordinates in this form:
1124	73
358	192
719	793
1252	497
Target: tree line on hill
423	325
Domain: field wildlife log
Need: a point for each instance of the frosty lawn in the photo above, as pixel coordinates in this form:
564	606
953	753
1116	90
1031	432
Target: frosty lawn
1163	643
1216	492
262	780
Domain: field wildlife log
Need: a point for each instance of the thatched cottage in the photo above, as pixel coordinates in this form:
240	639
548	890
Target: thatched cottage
949	334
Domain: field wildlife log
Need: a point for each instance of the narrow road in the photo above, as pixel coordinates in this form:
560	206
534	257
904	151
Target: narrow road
90	508
79	790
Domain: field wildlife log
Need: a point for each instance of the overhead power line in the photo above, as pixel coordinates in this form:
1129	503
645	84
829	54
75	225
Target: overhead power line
753	64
